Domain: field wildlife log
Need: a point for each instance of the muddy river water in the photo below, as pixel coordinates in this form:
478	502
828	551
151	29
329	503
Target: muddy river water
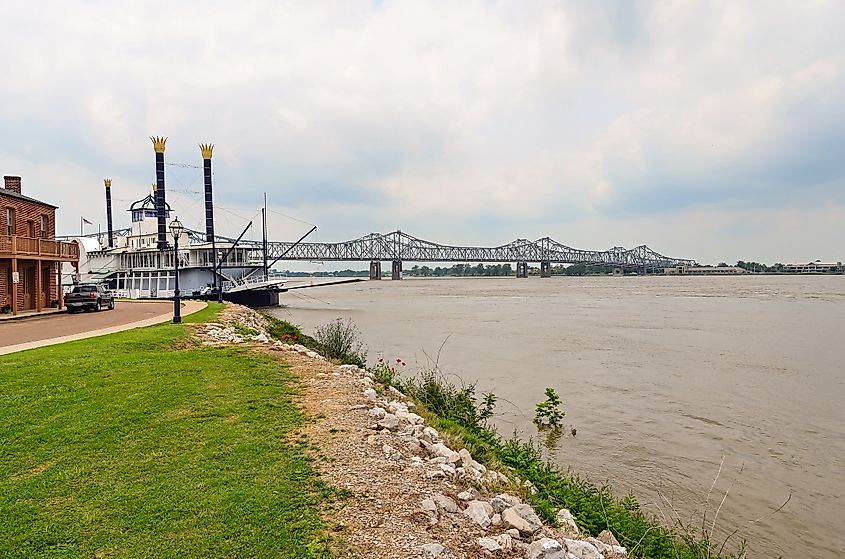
663	377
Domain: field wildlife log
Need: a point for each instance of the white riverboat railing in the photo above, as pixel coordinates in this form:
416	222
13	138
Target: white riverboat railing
242	284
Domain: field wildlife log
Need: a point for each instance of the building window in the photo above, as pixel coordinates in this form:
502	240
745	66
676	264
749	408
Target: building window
10	222
43	226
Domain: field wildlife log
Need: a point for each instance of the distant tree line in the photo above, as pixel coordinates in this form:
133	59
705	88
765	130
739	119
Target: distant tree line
469	270
335	274
754	266
461	270
758	267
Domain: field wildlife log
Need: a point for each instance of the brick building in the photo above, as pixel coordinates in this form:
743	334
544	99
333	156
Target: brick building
30	255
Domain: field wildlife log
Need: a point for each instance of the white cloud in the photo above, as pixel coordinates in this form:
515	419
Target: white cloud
475	120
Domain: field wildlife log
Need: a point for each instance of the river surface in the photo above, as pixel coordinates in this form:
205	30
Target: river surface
663	377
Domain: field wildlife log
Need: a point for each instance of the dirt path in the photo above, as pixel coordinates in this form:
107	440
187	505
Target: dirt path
409	492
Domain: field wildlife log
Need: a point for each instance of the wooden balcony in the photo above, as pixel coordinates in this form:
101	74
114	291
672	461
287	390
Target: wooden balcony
42	249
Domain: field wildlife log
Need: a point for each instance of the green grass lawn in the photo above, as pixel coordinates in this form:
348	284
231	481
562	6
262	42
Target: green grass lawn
140	444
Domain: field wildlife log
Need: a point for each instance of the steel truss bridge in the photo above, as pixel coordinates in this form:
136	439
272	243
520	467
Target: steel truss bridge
398	247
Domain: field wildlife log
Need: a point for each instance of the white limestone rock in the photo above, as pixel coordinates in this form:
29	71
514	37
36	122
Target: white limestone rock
582	549
468	462
431	435
469	494
523	518
545	548
499	504
409	417
429	507
389	422
479	512
391	452
511	500
566	521
395	406
370	394
505	541
440	449
470	473
377	413
489	544
432	549
608	550
445	503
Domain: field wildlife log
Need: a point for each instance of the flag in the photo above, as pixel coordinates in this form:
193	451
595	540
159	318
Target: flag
86	221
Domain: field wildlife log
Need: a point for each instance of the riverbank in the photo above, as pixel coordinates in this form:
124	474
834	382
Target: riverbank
663	378
215	440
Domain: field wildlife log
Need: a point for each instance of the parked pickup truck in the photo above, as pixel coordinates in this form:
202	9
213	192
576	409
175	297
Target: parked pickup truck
89	297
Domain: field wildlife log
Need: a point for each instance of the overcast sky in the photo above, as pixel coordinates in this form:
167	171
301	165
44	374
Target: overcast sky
709	130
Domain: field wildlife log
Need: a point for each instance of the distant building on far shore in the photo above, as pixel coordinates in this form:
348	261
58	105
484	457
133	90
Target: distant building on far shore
817	267
703	270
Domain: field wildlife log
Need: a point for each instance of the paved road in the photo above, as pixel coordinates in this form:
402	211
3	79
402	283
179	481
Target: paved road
14	332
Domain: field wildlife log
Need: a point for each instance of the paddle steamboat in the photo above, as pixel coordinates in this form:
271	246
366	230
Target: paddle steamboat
140	262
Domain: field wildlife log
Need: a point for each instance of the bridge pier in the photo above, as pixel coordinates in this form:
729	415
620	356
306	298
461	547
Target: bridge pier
375	270
545	269
522	269
396	272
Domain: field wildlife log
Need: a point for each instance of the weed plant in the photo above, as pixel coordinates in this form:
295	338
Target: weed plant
336	340
244	330
342	340
289	333
548	412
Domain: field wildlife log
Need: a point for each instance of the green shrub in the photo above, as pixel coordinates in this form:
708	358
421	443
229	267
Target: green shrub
342	340
244	330
385	373
548	413
288	333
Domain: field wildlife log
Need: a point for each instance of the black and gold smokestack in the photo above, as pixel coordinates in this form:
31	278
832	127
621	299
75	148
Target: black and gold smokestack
206	150
107	182
161	213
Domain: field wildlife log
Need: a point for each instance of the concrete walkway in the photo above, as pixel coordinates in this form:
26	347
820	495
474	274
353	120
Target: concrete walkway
188	307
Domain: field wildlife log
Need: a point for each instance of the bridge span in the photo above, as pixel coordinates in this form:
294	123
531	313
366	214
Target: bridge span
398	247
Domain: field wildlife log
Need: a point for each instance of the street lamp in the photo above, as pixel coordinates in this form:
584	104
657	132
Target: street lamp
176	230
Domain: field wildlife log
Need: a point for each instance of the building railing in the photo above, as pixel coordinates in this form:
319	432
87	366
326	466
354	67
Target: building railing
30	246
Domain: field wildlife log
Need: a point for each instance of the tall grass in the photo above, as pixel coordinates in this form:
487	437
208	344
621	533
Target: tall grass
342	340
